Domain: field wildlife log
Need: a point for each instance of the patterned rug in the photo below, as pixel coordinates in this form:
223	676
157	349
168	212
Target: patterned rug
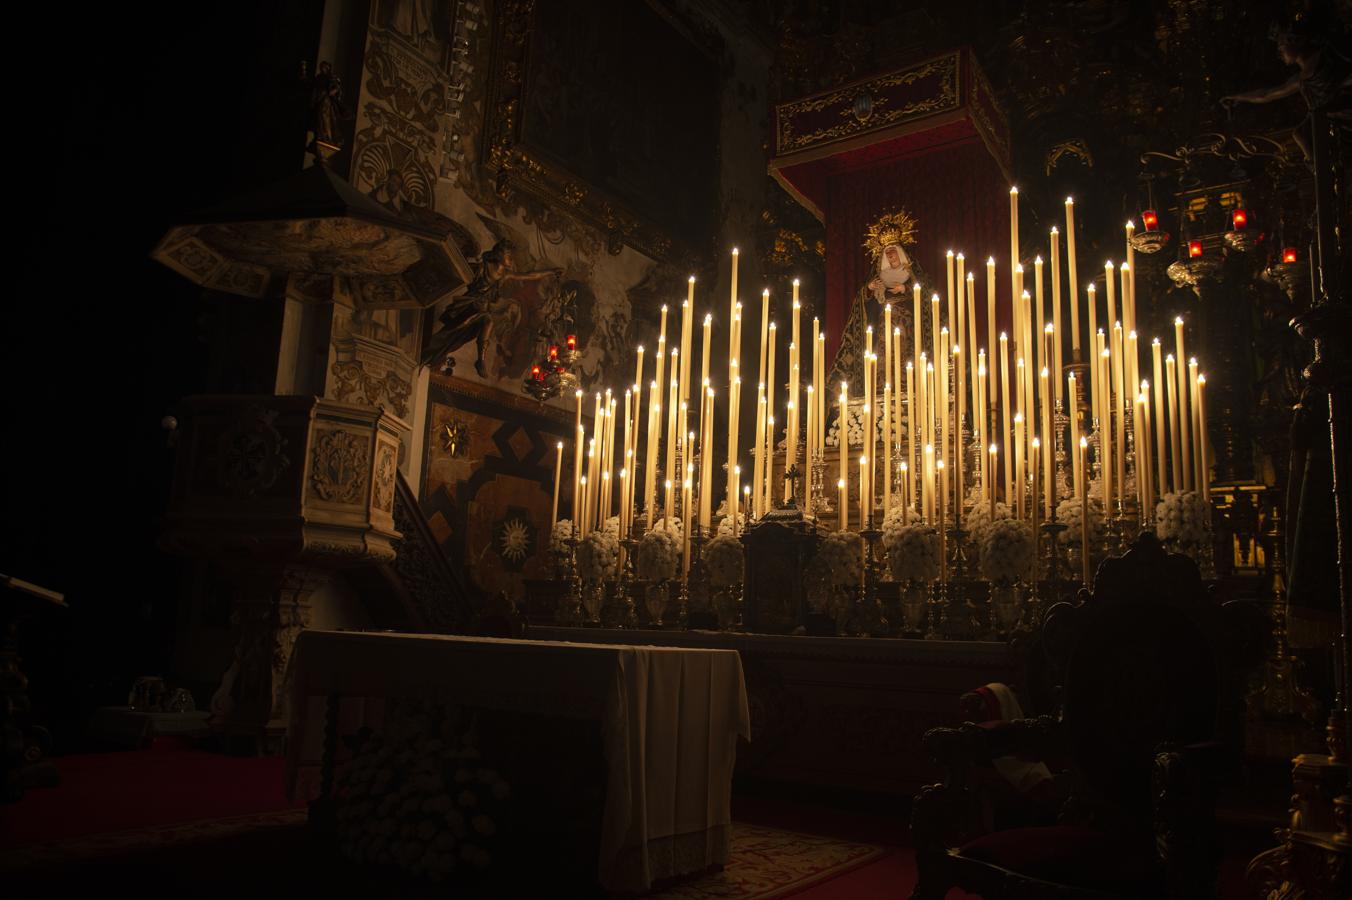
765	862
769	862
155	838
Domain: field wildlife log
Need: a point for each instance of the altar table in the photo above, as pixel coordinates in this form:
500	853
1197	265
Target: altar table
669	719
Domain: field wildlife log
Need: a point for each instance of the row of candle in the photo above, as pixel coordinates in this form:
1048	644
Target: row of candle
925	412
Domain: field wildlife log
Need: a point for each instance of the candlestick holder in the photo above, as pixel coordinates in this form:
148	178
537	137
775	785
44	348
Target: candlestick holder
938	617
1114	522
624	586
1131	486
702	613
1030	612
873	619
819	503
570	604
1064	478
1052	555
683	605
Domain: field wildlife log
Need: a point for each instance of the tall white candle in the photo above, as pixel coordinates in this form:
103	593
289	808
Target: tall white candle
1184	415
1074	282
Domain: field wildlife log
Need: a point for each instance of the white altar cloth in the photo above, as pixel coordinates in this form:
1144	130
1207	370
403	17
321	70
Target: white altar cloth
669	716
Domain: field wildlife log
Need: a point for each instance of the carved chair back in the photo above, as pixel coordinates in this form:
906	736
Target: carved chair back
1148	660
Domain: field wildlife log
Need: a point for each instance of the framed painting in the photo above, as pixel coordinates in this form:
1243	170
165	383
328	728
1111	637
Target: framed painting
612	115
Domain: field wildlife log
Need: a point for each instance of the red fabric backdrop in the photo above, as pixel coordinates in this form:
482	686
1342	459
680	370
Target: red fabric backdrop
958	196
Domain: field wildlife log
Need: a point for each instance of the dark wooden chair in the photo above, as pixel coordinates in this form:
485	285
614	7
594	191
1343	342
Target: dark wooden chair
1150	672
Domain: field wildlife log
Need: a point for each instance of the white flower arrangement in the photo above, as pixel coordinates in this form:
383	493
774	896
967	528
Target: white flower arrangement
562	531
416	801
725	524
840	559
1068	513
723	560
1182	517
912	550
657	555
598	555
854	427
980	519
1007	550
612	526
671	525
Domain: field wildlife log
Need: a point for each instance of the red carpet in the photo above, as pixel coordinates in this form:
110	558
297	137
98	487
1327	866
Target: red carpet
101	794
106	792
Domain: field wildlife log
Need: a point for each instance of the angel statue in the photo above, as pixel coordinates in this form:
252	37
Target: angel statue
894	275
1323	78
470	316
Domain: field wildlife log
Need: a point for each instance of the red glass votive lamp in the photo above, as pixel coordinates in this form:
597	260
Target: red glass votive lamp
1151	220
1239	218
535	373
1289	255
572	342
1194	249
553	352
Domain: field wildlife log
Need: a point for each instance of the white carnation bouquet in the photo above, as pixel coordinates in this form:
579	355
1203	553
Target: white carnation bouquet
980	519
657	555
724	561
854	427
1182	517
912	550
670	525
598	555
840	559
1069	512
416	795
563	530
1007	550
725	524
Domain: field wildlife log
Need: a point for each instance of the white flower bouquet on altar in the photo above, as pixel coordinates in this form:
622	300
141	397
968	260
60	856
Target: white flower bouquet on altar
854	426
1007	550
725	523
1069	513
1182	517
657	555
562	531
416	795
912	550
670	525
979	520
723	561
598	555
840	559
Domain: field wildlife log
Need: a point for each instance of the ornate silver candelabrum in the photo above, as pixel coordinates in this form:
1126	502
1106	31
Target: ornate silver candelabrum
1064	479
872	618
819	504
938	611
624	585
699	594
570	608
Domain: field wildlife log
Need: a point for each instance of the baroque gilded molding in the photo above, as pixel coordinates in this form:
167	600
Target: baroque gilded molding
874	104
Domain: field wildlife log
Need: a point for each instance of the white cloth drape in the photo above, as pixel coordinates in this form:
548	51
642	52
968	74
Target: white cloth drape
670	718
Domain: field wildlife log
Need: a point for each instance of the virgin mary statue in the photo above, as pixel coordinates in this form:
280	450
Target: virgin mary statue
894	276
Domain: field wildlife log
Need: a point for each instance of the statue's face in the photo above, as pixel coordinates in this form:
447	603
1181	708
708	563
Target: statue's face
893	257
1290	48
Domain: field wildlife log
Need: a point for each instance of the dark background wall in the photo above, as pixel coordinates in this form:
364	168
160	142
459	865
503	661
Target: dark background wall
143	113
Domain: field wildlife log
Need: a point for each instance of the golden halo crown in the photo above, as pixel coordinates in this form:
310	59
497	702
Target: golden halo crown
894	228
